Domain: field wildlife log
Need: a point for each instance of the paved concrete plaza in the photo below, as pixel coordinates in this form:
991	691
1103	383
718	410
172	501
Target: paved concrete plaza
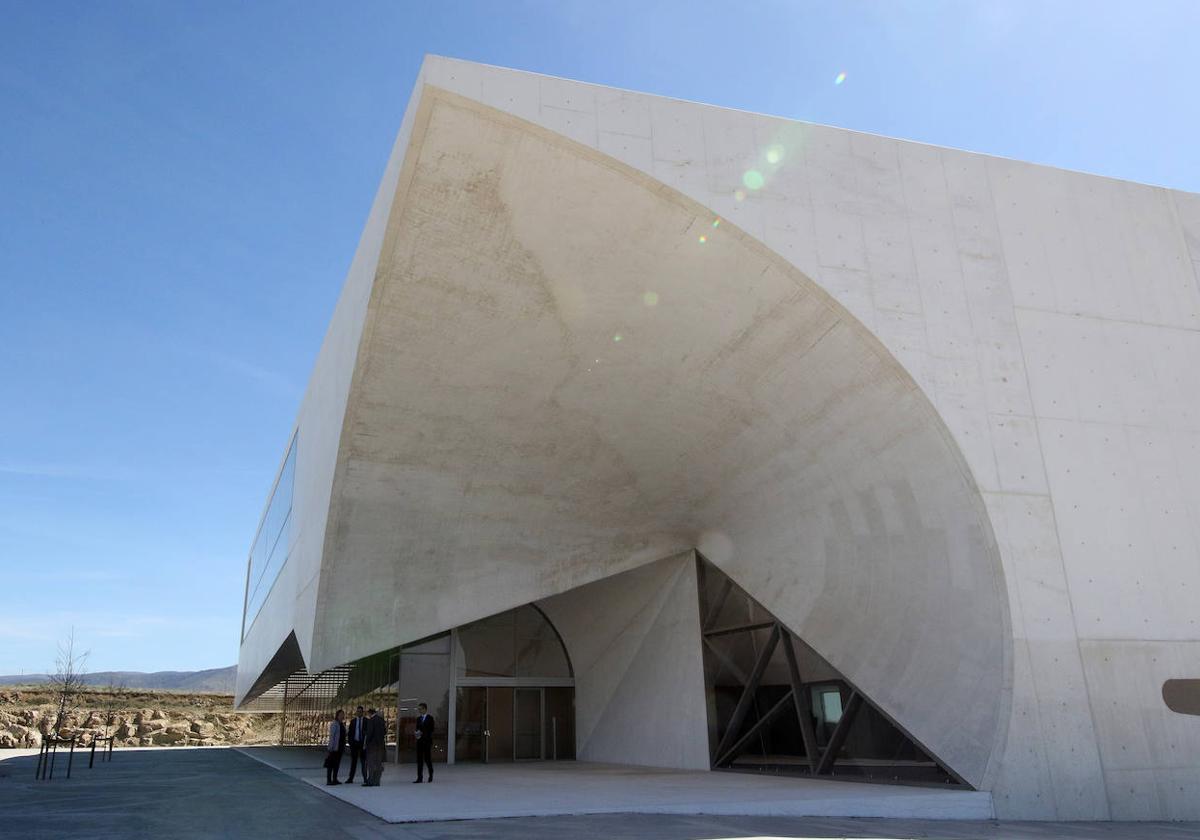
216	792
546	788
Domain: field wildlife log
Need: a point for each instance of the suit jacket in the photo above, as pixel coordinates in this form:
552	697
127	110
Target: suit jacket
424	729
376	732
358	730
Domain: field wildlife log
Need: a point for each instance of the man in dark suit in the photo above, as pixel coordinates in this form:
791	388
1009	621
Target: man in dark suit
424	735
374	743
356	733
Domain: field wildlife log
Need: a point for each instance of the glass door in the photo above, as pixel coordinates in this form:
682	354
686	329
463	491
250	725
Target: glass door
527	724
470	743
499	732
559	722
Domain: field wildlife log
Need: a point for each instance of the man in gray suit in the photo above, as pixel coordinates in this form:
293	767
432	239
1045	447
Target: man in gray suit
374	743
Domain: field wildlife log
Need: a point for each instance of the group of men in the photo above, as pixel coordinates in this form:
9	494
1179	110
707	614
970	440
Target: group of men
367	736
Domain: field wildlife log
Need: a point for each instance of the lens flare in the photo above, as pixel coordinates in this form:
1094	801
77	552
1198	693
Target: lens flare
650	298
703	239
617	337
739	195
753	179
716	222
774	154
839	78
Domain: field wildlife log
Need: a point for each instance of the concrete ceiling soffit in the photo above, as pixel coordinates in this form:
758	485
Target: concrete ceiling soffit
288	659
569	369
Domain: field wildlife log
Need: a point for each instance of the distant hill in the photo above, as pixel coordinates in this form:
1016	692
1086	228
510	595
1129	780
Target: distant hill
212	681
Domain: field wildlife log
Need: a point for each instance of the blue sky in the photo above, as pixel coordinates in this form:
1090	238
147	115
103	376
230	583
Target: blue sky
182	186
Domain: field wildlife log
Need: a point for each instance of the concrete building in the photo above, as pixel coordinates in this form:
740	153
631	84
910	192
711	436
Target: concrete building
658	433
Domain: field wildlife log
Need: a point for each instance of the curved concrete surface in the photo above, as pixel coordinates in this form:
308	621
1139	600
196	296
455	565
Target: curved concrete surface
522	421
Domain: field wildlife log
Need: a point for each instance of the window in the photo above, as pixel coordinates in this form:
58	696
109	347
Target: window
519	643
776	706
273	542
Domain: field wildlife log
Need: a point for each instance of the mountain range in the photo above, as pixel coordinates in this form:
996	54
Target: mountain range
212	681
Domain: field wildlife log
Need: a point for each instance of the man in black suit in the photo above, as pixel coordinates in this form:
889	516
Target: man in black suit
424	735
374	743
357	731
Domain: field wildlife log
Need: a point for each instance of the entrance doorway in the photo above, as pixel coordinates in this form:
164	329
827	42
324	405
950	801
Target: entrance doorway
500	723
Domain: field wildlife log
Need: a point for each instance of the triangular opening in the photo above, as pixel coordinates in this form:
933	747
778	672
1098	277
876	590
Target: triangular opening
776	706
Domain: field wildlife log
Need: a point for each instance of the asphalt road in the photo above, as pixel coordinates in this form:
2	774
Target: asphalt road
208	793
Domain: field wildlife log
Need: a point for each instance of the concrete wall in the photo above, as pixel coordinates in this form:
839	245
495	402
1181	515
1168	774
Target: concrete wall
502	445
634	641
1048	319
1052	319
291	606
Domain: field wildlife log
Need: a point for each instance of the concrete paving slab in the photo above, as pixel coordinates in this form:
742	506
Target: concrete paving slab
546	788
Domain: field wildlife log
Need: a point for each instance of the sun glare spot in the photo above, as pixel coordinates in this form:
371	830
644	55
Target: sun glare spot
774	154
650	298
753	179
839	78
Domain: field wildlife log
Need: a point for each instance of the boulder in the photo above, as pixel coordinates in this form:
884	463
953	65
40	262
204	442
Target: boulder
158	714
169	737
203	728
22	736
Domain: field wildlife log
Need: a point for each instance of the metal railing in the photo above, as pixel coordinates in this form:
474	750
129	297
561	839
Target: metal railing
105	751
48	753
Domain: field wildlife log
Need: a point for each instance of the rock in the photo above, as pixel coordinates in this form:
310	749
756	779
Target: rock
203	728
169	737
150	727
159	714
25	736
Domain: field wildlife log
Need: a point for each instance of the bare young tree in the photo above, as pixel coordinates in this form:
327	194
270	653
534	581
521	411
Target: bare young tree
70	669
113	693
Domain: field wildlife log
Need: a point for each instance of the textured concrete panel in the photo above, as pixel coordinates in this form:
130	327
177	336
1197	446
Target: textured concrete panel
634	641
291	606
1051	318
1149	751
522	423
